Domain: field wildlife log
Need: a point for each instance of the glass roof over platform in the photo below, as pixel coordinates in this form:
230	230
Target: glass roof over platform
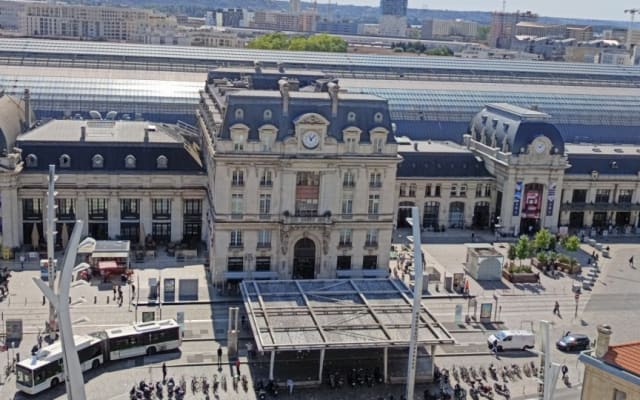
556	72
57	97
324	314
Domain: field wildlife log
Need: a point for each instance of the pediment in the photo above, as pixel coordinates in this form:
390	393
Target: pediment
311	119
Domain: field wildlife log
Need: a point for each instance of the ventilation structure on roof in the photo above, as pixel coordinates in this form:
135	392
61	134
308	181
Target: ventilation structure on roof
596	150
618	150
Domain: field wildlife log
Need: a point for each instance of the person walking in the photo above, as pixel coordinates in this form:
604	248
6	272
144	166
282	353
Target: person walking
238	365
564	370
556	309
219	357
133	291
290	386
39	341
114	291
631	262
164	372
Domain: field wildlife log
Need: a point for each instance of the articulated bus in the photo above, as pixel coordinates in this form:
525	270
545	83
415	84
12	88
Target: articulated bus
44	370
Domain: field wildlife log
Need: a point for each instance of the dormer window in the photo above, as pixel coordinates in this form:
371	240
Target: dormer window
65	161
162	162
31	160
97	161
377	117
266	115
129	162
239	114
351	116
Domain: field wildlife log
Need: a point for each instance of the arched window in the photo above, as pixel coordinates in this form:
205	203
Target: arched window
239	114
162	162
65	161
267	114
351	116
377	117
129	161
31	160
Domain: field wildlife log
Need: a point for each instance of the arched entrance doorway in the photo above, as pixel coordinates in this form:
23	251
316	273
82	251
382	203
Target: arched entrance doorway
481	215
304	259
456	215
404	212
430	215
532	208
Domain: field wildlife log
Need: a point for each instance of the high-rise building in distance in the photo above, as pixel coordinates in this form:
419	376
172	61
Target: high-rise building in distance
394	7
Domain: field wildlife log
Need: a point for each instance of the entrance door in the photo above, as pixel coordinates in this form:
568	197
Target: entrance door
403	213
623	218
481	215
456	215
304	259
576	219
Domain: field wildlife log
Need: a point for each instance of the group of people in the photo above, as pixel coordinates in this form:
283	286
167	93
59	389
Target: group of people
117	290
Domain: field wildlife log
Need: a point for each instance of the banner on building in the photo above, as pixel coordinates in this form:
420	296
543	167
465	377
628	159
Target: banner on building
517	199
551	199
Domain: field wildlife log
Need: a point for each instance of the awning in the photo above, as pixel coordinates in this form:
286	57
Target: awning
110	255
107	265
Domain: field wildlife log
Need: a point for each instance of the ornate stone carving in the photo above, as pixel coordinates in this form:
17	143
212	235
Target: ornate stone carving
284	241
312	119
325	241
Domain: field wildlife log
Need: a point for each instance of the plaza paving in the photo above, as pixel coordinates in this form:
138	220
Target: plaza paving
613	300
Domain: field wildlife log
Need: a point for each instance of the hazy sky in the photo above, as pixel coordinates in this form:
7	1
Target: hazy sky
595	9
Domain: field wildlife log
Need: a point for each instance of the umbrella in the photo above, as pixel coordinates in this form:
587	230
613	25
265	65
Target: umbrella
142	234
35	237
64	235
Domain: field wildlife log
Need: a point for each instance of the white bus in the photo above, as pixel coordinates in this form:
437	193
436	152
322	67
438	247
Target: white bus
142	339
44	370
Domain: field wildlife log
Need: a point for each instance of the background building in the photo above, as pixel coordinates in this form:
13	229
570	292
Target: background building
447	29
503	27
393	19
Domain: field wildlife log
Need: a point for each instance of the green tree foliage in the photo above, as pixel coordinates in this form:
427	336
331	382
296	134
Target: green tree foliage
419	47
511	255
483	32
542	240
523	248
571	243
279	41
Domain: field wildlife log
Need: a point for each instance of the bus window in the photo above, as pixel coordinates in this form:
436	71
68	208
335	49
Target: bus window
23	376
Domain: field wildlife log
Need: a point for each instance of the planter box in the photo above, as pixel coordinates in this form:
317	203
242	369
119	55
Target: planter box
520	277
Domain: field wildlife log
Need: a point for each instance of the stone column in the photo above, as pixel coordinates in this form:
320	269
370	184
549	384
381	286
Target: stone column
146	213
11	217
177	218
114	215
82	212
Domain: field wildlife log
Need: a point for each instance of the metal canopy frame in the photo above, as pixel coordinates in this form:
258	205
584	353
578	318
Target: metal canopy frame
318	314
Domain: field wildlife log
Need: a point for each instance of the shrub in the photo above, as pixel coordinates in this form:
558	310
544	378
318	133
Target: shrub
564	259
511	255
523	248
543	258
572	243
542	240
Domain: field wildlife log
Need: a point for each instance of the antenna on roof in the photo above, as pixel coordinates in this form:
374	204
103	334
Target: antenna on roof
504	6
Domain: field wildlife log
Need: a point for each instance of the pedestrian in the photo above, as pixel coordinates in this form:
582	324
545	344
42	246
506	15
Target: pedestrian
631	262
290	386
133	291
39	341
114	291
243	320
22	262
556	309
495	347
238	365
564	369
219	356
473	236
164	372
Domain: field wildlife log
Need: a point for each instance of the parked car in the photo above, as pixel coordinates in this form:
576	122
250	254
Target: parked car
512	340
573	342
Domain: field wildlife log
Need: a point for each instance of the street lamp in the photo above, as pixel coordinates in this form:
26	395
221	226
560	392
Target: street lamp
414	221
60	301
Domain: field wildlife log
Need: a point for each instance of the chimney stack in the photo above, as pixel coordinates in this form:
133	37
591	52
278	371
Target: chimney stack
602	342
146	135
333	88
83	133
27	109
283	83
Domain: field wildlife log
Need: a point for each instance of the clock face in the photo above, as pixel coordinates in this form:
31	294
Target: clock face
311	139
540	147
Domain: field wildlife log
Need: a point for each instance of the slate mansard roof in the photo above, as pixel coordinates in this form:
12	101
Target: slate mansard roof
432	159
155	148
518	126
605	160
254	103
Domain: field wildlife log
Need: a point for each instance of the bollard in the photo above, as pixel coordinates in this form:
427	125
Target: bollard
69	299
44	300
95	299
107	299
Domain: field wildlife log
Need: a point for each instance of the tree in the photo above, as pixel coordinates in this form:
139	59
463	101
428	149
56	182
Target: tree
511	255
483	32
279	41
572	243
523	248
542	240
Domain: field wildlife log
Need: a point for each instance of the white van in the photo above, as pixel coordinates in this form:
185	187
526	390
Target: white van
512	340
